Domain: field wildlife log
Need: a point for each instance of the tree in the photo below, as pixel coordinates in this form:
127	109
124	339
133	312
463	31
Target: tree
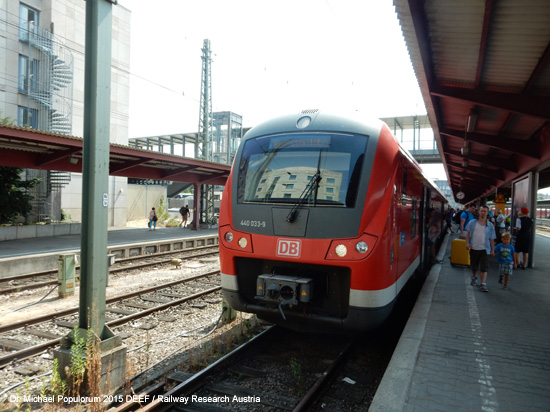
15	200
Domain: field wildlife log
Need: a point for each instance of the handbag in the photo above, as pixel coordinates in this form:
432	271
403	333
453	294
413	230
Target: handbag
155	218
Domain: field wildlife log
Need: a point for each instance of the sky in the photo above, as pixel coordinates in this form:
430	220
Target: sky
269	58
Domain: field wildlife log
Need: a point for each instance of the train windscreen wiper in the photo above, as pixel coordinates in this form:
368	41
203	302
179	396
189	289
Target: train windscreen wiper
308	190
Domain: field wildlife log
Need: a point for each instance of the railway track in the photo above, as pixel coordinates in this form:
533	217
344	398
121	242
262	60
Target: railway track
277	369
14	284
348	385
15	337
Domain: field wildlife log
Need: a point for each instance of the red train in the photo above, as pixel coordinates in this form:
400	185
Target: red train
323	221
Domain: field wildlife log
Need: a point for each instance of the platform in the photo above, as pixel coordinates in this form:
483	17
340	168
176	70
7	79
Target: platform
30	255
466	350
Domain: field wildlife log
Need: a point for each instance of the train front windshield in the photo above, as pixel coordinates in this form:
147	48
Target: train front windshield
315	169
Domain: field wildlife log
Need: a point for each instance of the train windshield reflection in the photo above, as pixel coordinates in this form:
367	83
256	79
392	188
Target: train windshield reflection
280	168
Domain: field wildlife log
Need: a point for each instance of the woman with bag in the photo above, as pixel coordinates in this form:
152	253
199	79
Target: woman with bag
153	219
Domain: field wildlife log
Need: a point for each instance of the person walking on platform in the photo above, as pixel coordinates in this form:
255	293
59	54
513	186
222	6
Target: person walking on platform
184	211
523	228
153	219
465	217
505	257
480	241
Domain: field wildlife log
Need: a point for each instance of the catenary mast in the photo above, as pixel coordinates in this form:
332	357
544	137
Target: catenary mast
203	148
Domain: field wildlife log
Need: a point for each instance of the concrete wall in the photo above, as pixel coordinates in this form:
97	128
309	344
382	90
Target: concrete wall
32	231
18	265
71	201
141	198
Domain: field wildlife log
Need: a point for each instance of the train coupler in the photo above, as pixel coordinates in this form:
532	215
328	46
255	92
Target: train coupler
284	290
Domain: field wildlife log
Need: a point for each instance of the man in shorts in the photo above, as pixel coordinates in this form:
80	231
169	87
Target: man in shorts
480	241
184	211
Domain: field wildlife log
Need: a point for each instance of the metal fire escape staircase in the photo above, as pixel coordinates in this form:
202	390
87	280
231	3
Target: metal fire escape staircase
53	88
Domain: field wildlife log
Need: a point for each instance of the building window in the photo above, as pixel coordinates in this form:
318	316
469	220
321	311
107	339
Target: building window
28	22
23	74
27	117
290	185
28	74
292	177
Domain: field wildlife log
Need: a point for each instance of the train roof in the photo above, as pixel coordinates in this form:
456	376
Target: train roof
318	121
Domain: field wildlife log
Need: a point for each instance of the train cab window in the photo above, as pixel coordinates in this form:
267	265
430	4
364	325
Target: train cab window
324	168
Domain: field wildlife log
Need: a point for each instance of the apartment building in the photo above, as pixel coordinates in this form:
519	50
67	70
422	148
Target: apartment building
42	46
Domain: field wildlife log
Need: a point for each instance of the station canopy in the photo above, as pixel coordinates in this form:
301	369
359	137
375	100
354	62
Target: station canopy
34	149
484	72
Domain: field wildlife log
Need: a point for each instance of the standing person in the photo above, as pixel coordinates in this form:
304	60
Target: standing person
449	219
480	241
153	219
523	237
505	257
432	226
500	224
466	217
184	211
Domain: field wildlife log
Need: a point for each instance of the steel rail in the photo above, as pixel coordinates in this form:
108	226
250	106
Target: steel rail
197	380
50	316
15	289
35	350
316	389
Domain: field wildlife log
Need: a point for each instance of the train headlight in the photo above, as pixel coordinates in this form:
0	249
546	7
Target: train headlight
341	250
303	122
228	237
361	247
243	242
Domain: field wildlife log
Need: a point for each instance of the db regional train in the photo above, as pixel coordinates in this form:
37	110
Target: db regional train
323	221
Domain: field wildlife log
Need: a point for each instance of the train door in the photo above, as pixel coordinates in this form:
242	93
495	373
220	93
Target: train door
423	210
396	222
405	228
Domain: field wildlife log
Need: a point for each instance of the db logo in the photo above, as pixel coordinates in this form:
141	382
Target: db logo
289	248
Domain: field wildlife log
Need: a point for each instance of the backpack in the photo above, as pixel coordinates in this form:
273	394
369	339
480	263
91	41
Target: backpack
456	217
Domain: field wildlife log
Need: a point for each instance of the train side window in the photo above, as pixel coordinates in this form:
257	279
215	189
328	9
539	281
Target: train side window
414	217
404	196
